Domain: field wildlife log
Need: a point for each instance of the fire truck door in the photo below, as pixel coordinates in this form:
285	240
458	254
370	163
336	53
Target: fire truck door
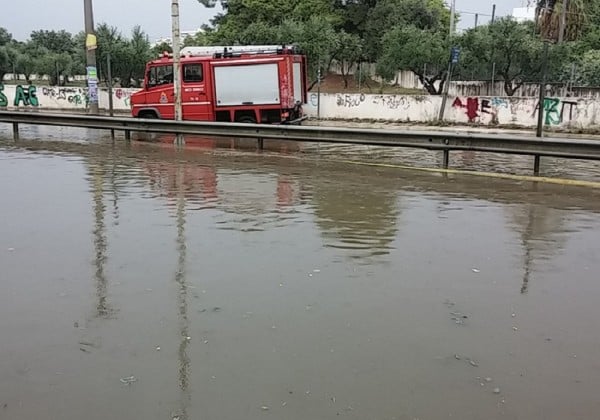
194	98
160	91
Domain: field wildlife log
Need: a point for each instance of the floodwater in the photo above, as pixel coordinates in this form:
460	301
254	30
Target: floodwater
141	281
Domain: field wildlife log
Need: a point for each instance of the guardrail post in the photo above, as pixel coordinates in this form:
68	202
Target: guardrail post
127	135
16	131
536	165
446	158
261	143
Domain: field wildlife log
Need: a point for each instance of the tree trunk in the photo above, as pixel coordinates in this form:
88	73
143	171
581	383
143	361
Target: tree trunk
429	83
509	89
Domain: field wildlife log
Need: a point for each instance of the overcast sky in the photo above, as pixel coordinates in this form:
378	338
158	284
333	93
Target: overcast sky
23	16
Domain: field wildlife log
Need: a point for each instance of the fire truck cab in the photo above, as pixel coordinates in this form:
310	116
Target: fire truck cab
249	84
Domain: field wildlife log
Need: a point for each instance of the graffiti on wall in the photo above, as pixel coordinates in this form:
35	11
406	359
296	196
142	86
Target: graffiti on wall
123	95
350	101
26	96
68	95
3	98
475	107
556	111
391	101
23	96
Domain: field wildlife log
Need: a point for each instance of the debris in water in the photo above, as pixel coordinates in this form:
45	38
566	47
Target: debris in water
264	408
11	249
513	315
310	275
448	303
284	404
84	350
548	339
473	363
76	324
457	357
128	380
488	379
316	270
158	348
333	400
188	338
475	270
496	390
515	329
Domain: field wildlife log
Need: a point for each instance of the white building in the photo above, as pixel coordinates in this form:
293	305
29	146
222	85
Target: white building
523	14
184	35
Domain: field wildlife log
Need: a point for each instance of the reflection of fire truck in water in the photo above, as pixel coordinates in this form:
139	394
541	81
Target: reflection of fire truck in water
249	84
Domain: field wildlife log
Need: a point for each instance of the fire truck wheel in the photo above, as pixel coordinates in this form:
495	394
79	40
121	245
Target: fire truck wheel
149	115
246	119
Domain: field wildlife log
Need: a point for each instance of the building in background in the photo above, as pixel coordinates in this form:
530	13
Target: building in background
523	14
184	35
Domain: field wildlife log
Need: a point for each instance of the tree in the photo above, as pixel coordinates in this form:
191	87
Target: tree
140	48
110	42
589	68
158	49
5	37
53	41
55	66
548	15
403	48
349	51
8	60
316	37
513	46
246	21
431	15
128	56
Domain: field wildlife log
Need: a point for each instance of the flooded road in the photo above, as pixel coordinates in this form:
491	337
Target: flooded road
139	281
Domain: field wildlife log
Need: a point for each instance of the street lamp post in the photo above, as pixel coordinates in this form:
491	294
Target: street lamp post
90	49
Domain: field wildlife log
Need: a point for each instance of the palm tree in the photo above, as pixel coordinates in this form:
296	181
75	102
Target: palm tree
548	14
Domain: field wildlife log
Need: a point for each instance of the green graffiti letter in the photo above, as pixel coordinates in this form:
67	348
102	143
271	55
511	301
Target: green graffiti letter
26	96
552	111
3	100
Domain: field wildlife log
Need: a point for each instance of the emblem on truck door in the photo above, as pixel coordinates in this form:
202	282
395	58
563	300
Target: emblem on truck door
163	98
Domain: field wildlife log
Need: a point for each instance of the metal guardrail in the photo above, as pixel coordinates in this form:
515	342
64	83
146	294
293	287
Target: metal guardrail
431	140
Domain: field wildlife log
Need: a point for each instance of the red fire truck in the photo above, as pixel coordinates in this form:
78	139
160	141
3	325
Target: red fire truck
249	84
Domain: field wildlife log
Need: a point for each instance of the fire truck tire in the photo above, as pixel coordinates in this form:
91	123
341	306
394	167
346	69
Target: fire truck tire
246	119
150	115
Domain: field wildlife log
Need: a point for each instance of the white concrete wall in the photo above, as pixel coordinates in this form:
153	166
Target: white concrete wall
558	112
492	111
59	98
